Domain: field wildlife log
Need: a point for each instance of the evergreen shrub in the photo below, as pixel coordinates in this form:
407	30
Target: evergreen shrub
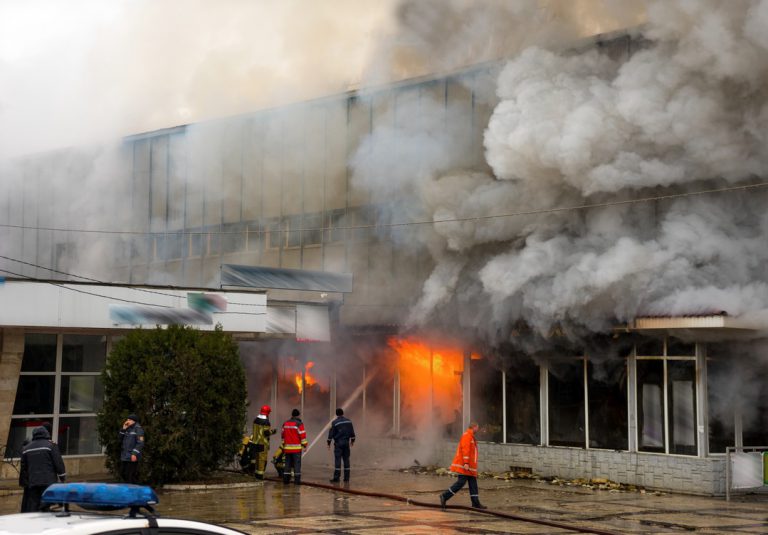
187	388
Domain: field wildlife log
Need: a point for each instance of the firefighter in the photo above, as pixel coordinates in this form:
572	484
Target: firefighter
294	441
342	433
465	465
279	460
246	456
262	430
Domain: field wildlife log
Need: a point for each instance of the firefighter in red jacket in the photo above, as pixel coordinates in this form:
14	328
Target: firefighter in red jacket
465	465
294	440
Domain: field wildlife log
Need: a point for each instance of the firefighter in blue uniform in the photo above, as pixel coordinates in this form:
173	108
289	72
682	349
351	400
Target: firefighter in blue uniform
342	433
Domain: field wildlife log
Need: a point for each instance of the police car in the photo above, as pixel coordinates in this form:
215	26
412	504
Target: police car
140	519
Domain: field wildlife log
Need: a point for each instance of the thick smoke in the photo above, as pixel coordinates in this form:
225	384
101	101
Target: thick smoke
685	111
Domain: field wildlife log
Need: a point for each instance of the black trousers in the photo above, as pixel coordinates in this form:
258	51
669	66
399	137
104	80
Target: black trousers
340	453
32	498
129	472
292	463
460	482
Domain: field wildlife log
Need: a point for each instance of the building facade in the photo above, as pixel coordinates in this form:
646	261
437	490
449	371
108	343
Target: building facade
277	189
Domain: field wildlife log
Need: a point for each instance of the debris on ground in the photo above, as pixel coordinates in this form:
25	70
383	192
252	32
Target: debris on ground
595	483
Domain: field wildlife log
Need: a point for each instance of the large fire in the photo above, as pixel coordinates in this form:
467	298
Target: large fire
309	380
429	373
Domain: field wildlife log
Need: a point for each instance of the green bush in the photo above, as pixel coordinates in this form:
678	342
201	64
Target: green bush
187	388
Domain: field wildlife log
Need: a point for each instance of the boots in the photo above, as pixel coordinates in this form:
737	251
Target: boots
443	498
478	505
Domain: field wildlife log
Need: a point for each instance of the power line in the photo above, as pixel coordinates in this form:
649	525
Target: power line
539	211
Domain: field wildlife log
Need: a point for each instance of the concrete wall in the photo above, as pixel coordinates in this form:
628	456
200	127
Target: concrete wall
675	473
10	366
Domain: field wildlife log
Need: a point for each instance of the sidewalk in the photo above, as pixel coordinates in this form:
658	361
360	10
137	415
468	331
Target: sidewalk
271	507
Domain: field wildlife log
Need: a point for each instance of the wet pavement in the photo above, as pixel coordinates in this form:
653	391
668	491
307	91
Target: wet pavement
272	507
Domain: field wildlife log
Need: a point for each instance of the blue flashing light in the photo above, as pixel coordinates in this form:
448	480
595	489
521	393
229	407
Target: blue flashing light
101	496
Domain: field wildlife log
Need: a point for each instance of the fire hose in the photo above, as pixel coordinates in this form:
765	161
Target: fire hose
409	501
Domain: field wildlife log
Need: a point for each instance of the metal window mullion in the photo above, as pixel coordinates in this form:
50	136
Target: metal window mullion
666	408
57	384
585	369
544	405
632	423
702	420
503	407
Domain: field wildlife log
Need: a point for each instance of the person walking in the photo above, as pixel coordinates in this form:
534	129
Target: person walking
262	430
132	444
294	441
465	465
342	433
41	465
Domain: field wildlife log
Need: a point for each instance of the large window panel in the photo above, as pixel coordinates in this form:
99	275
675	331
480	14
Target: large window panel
83	353
78	436
754	410
607	391
81	393
34	394
39	353
486	399
721	393
681	394
566	403
650	405
523	402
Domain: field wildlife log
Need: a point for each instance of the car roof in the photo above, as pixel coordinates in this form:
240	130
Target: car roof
78	523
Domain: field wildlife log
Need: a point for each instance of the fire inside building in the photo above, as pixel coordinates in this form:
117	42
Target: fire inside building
273	211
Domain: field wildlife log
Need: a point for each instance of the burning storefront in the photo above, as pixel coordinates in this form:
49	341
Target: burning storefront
537	244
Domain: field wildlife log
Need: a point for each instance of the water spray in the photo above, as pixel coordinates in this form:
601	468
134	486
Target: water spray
344	405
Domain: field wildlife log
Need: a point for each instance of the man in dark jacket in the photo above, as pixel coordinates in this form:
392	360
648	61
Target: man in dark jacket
41	465
132	440
342	433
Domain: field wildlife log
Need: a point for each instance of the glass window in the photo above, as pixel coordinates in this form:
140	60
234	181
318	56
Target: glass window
754	409
681	397
678	348
722	391
523	402
566	403
83	353
173	245
233	238
21	433
275	236
485	403
196	240
214	240
34	394
607	391
81	393
650	405
650	347
294	230
335	220
78	436
313	232
39	353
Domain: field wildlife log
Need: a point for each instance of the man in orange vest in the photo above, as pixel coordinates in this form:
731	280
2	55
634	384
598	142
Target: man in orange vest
465	464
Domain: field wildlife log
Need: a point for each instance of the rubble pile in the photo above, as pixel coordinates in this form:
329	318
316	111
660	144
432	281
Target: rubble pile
595	483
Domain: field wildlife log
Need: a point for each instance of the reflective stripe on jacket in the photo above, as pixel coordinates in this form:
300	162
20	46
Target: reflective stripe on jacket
294	436
466	453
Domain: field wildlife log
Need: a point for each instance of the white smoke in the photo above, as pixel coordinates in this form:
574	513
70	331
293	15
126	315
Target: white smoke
687	111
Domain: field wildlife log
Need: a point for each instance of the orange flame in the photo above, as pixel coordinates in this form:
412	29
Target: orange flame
429	372
309	380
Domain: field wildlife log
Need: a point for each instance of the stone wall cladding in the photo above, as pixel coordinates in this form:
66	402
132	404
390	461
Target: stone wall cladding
674	473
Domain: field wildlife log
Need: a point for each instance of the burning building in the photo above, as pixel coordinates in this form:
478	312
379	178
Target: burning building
565	247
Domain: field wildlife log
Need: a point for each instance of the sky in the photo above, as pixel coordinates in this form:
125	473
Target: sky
75	72
81	71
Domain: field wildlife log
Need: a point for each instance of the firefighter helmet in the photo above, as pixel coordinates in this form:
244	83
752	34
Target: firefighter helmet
266	409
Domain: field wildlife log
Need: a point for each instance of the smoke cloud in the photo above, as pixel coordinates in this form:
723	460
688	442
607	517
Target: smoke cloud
686	111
